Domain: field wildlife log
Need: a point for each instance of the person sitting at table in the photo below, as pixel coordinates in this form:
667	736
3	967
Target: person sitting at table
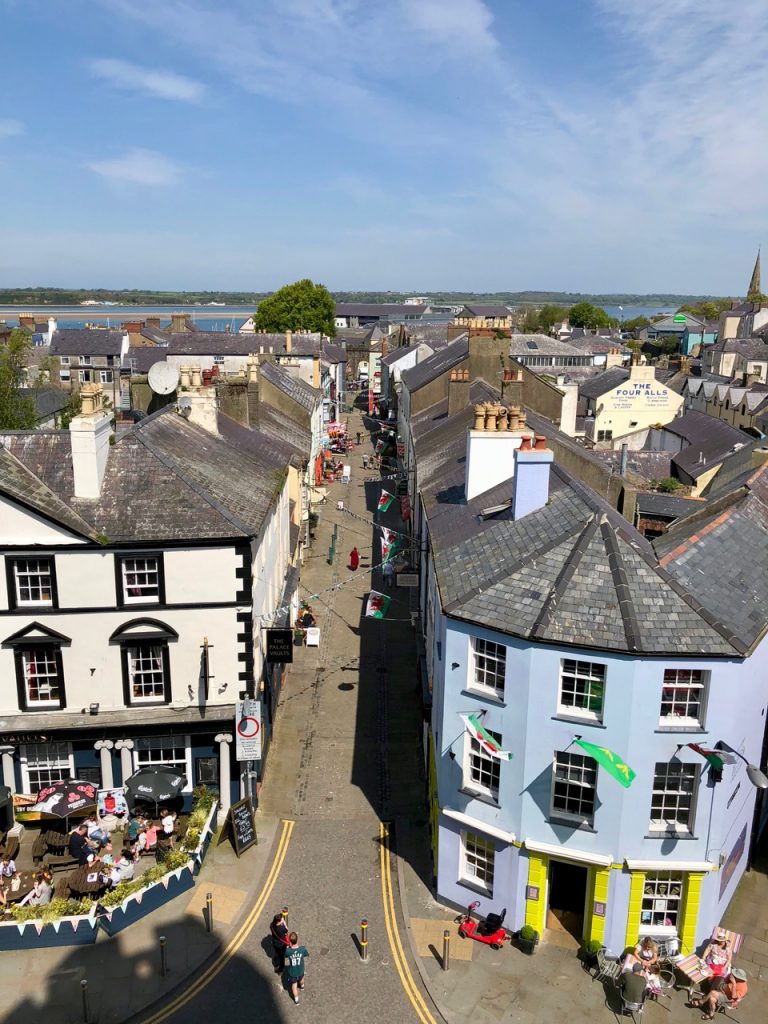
306	619
717	956
126	865
79	847
96	833
40	894
8	868
135	826
163	847
728	996
633	984
645	953
653	981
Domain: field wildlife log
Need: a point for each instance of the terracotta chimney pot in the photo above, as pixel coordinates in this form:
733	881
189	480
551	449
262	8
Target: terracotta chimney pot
541	443
480	417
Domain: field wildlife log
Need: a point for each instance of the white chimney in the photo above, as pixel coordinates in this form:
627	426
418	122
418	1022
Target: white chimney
52	326
89	438
198	404
530	484
491	444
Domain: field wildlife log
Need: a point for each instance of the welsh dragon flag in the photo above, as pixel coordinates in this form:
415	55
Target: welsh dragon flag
716	758
385	501
486	741
390	542
377	606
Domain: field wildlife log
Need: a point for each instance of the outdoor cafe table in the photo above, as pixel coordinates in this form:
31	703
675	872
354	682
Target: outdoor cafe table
26	881
86	880
694	968
54	840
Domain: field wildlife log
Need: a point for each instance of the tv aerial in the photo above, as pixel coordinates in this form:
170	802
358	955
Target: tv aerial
163	378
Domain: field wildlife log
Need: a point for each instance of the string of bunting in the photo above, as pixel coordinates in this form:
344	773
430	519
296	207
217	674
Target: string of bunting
370	522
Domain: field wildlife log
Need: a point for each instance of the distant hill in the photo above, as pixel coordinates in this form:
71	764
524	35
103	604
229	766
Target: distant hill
40	296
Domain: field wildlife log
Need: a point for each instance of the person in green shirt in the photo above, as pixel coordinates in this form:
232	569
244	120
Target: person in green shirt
295	955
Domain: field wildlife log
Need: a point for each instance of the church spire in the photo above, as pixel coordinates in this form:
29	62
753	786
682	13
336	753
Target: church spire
753	292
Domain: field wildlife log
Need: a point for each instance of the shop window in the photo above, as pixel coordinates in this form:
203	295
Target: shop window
582	689
662	901
42	764
477	862
574	780
171	750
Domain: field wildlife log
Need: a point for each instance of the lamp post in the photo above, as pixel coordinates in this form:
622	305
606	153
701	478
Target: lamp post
757	777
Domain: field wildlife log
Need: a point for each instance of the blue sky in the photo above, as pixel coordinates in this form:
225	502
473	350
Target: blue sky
588	145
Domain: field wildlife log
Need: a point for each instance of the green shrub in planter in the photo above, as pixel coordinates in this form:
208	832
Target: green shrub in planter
527	939
589	951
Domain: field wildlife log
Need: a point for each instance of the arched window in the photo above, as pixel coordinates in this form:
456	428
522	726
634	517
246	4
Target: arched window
145	660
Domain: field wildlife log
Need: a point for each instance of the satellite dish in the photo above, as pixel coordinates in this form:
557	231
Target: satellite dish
163	378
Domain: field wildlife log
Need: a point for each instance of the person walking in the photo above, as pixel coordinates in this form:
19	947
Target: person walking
358	438
295	955
279	932
388	572
354	559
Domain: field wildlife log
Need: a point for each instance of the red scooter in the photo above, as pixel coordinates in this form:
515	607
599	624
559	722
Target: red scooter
489	930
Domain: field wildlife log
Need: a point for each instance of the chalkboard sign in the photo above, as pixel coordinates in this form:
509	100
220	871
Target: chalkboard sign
280	646
242	830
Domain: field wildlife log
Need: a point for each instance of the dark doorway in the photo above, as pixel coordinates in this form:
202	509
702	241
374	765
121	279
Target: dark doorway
567	893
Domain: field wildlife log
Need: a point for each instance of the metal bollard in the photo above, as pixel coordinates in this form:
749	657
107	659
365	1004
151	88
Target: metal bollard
163	962
209	912
364	940
86	1010
446	949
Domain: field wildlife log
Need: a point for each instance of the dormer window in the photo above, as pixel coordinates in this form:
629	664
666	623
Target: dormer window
140	579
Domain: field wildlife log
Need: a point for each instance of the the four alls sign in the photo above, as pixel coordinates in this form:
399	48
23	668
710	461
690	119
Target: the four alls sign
248	730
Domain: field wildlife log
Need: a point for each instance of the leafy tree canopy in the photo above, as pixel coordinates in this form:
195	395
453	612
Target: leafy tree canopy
17	411
302	306
709	309
584	314
636	324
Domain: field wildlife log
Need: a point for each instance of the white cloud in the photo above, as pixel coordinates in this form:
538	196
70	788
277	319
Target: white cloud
9	127
463	24
165	85
138	167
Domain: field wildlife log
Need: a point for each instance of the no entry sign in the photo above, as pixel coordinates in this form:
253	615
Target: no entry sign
248	730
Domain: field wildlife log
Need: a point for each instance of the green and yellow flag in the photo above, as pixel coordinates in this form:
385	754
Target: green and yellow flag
612	763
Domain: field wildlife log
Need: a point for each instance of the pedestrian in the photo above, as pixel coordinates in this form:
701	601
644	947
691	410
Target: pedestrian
359	435
279	932
365	462
354	559
388	572
295	955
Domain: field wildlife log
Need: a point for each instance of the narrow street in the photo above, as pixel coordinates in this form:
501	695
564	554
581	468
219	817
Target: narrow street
345	757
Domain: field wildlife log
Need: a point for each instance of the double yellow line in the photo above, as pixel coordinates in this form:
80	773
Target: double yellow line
237	940
393	935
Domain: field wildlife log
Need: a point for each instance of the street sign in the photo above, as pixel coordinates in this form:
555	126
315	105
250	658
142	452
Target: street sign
407	579
248	730
280	646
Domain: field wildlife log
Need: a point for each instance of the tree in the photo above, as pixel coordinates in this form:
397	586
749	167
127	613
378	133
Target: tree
17	411
530	322
302	306
637	324
584	314
549	316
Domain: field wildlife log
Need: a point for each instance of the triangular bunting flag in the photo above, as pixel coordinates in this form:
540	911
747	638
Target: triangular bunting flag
377	605
56	925
39	925
385	501
484	738
21	927
139	896
165	879
74	921
612	763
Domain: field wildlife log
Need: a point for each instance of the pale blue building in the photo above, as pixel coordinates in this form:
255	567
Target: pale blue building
549	614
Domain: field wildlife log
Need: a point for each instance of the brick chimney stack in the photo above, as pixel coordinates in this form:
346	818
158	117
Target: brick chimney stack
458	391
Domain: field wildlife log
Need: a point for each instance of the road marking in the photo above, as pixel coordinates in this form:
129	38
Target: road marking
406	978
237	940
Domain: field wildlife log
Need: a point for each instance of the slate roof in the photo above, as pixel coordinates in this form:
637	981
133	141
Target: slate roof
334	353
301	392
219	343
541	344
166	479
484	309
435	335
576	572
444	359
140	358
605	382
94	342
667	506
48	401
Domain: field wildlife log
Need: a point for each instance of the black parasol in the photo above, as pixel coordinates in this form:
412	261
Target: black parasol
61	799
155	784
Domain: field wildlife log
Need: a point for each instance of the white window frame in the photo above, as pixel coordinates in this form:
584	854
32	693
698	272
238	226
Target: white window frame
480	846
86	376
576	772
105	376
487	652
24	603
144	743
218	360
682	684
49	653
653	893
64	375
64	360
478	759
61	767
670	770
138	656
85	361
584	674
144	597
